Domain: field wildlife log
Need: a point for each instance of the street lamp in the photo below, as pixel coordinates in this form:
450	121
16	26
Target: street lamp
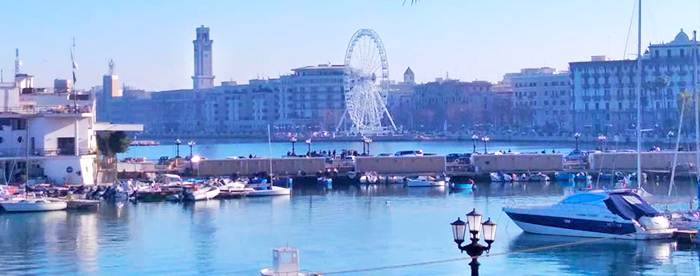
474	138
368	141
474	249
602	139
669	135
486	140
191	144
364	145
293	140
308	143
177	144
577	136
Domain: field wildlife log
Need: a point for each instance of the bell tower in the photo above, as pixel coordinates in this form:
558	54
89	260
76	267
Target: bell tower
203	73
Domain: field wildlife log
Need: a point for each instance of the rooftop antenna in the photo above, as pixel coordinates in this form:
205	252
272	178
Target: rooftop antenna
17	62
111	67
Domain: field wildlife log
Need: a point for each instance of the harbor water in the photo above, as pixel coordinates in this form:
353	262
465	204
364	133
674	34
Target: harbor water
349	228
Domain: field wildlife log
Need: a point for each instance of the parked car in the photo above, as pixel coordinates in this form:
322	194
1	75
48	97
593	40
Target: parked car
348	161
384	154
577	155
409	153
452	157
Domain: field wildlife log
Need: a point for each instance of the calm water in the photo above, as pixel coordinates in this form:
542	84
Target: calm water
223	150
355	227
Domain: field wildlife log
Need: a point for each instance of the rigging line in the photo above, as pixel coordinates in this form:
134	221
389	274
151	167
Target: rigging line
629	30
463	258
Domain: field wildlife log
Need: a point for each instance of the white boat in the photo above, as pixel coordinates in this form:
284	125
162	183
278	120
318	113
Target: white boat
269	191
521	178
204	193
369	178
539	177
620	214
33	205
424	181
500	177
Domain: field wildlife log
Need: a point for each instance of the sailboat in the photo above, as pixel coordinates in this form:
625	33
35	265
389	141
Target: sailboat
260	185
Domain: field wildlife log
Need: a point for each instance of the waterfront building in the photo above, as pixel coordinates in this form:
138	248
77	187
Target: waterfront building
452	104
399	100
203	71
541	98
314	96
605	90
49	134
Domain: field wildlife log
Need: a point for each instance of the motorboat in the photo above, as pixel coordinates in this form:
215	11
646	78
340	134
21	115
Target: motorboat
539	177
500	177
424	181
462	186
564	176
582	176
201	193
269	191
620	214
33	205
231	189
324	182
369	178
521	178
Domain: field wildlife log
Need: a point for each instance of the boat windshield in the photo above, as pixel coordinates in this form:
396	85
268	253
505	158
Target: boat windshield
583	198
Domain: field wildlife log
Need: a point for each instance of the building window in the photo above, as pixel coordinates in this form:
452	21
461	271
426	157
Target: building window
656	54
619	105
668	53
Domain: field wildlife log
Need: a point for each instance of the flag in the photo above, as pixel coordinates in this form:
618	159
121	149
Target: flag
74	78
75	65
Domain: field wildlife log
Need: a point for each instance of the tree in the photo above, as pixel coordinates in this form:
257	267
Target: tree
117	142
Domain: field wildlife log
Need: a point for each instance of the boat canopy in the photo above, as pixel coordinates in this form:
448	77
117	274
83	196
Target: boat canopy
629	206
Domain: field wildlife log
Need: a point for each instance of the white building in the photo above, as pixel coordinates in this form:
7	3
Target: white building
55	133
542	98
203	72
605	90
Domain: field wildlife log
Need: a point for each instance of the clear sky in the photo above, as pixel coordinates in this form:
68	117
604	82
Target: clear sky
151	41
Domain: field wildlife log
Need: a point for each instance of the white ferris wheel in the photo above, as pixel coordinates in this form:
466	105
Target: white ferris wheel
366	83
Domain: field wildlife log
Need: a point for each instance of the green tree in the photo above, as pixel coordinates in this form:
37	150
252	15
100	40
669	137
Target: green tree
117	142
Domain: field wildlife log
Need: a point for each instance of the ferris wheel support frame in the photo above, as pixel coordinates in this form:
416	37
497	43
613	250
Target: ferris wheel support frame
379	97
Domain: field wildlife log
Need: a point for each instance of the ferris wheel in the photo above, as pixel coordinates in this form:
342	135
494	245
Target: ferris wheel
366	83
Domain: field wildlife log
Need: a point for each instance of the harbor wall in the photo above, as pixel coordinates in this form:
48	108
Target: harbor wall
280	166
429	164
628	160
518	162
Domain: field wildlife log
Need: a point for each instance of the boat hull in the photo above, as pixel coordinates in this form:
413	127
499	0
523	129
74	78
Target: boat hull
13	207
564	226
273	191
418	183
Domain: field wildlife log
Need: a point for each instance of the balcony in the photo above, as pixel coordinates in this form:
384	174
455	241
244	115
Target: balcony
607	98
40	152
56	109
620	97
596	98
586	98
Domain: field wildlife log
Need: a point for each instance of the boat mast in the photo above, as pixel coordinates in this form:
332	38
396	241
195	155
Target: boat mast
697	103
639	97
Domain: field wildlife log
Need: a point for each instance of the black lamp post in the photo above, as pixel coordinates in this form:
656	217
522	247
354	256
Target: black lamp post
308	143
293	140
577	136
669	135
474	249
486	141
177	144
191	144
474	138
364	145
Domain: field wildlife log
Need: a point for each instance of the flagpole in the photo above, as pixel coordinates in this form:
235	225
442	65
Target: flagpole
74	66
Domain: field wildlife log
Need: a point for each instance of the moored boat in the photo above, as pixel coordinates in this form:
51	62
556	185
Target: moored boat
619	214
269	191
425	181
33	205
539	177
564	176
203	193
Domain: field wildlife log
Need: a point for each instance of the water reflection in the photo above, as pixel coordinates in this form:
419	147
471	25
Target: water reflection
606	257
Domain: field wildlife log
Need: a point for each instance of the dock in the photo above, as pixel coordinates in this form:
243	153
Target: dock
83	204
685	236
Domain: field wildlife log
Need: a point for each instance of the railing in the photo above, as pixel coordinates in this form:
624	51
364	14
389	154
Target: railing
54	109
22	152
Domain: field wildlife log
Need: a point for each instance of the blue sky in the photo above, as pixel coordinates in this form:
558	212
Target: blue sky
151	41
